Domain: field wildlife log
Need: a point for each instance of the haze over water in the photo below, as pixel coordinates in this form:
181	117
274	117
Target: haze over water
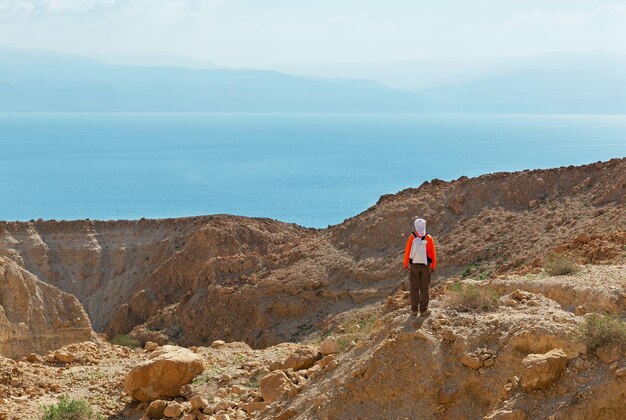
311	169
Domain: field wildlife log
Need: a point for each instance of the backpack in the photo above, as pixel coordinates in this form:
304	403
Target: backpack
418	254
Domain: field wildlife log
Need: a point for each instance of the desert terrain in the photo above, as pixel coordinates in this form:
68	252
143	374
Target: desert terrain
230	317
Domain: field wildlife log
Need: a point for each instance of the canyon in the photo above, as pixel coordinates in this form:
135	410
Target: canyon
269	290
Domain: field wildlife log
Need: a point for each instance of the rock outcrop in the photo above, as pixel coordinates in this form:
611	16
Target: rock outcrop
168	369
36	317
541	370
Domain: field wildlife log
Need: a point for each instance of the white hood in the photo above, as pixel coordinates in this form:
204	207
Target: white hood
420	227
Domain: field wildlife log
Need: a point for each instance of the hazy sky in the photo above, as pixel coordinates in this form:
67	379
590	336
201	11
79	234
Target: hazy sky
264	32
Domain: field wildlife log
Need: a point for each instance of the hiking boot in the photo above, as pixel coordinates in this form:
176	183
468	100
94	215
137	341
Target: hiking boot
413	313
425	312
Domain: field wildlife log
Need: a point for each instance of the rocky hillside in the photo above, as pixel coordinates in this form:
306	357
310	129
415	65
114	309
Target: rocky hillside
523	357
266	282
287	322
34	316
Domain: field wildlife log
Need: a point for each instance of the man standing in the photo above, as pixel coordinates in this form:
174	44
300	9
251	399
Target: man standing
420	259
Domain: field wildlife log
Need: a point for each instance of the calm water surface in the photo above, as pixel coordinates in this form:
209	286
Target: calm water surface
310	169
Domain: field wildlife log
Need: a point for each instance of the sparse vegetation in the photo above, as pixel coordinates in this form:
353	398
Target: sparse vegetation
468	297
254	382
70	409
343	344
559	265
239	359
126	341
469	269
597	331
477	271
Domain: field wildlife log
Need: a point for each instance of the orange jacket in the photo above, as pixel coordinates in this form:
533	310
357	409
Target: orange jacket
430	251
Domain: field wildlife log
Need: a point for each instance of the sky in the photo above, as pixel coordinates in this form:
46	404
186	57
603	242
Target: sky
255	33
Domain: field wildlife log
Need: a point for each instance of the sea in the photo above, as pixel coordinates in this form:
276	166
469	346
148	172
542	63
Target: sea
311	169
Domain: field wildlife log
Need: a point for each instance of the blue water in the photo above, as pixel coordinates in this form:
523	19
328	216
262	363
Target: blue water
314	170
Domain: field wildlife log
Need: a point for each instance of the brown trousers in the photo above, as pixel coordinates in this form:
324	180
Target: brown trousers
419	280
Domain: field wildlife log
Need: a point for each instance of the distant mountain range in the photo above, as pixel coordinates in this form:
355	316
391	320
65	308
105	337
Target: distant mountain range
48	81
45	81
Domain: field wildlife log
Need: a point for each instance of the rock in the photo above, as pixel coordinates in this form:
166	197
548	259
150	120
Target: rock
237	390
33	358
448	334
520	295
189	417
275	385
608	354
169	368
447	395
185	391
63	356
302	358
516	414
287	414
151	346
580	311
217	344
251	407
155	409
471	361
583	238
173	410
325	361
489	362
620	373
198	403
541	370
329	346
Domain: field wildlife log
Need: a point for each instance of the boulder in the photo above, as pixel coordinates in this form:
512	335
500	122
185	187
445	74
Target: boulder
541	370
471	361
156	409
151	346
447	395
217	344
329	346
198	403
302	358
169	368
63	356
608	354
251	407
173	410
275	385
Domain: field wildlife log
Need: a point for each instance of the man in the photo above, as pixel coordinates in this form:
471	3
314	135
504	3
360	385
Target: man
420	259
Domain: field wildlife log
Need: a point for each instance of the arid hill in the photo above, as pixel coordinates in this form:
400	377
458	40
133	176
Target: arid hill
195	280
291	322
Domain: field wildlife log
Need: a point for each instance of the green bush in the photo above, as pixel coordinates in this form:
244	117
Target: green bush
467	297
70	409
597	331
559	265
126	341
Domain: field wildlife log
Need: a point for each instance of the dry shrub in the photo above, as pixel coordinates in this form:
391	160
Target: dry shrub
598	331
559	265
468	297
70	409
